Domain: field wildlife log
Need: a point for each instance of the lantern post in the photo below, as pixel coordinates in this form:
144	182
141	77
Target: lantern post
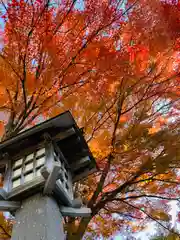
39	167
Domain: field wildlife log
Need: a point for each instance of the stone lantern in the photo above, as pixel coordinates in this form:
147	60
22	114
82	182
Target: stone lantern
45	159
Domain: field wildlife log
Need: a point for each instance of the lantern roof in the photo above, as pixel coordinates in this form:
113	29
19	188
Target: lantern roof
64	131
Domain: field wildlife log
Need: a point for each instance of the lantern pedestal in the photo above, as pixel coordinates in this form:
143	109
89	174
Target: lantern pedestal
39	218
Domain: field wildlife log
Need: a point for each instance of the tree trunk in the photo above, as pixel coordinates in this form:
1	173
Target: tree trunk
80	231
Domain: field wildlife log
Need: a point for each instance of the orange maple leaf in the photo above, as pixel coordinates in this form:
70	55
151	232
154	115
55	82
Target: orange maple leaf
162	121
1	128
153	130
110	187
123	119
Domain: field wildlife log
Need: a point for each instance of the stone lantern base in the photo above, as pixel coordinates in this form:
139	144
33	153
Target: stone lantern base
39	218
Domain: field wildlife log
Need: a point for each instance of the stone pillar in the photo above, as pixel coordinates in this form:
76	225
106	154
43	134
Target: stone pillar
39	218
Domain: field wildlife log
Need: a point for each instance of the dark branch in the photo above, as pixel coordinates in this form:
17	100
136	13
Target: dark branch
151	217
148	196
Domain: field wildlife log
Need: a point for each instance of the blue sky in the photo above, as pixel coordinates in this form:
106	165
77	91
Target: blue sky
118	238
79	5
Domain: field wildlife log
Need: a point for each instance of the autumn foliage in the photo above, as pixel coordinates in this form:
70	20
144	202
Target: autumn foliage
115	66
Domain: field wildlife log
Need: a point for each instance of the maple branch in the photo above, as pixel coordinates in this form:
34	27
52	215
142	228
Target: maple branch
97	112
119	113
148	196
166	181
9	126
24	93
127	110
141	99
110	157
81	83
34	107
167	79
68	12
106	197
86	41
24	58
153	116
16	92
109	196
41	14
155	179
109	116
32	4
24	114
4	5
10	99
26	48
4	58
39	68
122	214
93	36
101	182
129	216
150	216
5	231
76	82
98	126
149	87
4	107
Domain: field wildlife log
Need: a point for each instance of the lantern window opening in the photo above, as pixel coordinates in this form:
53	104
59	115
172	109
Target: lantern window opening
40	153
40	162
38	172
17	173
16	182
66	176
29	157
67	186
18	163
25	169
55	153
60	155
29	176
28	167
61	178
56	159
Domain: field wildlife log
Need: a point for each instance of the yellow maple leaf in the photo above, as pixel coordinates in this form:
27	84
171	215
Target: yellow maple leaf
153	130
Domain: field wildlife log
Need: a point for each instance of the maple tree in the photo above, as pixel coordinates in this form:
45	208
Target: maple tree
105	62
170	236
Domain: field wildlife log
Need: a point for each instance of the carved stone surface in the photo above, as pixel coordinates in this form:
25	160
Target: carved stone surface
39	218
9	205
75	212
